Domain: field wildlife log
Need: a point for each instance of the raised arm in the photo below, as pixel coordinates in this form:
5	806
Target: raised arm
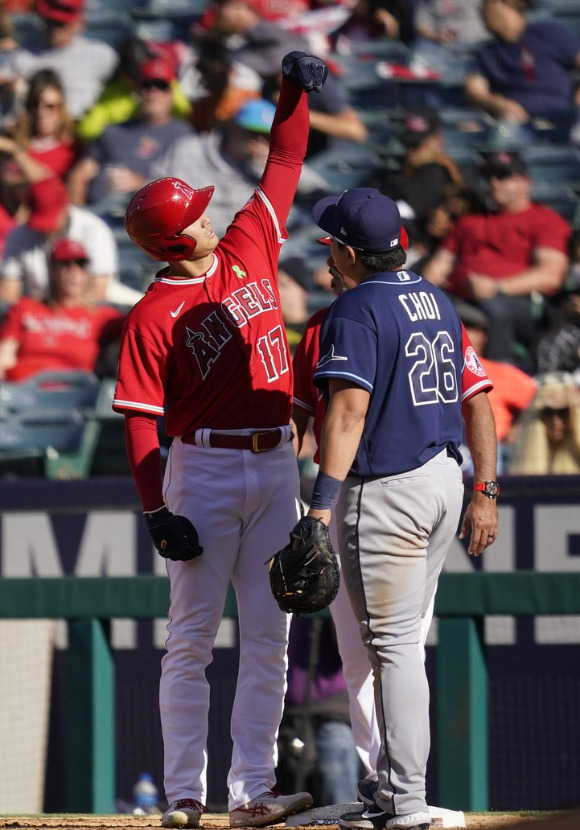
289	134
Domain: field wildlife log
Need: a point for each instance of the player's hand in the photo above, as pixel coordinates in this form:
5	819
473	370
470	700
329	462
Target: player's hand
305	71
175	537
480	523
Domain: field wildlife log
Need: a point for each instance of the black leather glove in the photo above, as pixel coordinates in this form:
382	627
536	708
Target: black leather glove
175	537
305	71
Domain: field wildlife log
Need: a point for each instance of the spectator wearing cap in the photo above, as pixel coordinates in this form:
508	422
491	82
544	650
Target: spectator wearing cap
426	171
66	330
84	64
526	71
232	157
119	100
24	268
559	349
513	389
510	260
261	45
120	161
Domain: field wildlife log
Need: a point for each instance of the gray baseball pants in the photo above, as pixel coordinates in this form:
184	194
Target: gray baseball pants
394	535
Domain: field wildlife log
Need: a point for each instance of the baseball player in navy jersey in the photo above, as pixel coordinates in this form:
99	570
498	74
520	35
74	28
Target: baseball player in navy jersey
392	368
206	348
309	405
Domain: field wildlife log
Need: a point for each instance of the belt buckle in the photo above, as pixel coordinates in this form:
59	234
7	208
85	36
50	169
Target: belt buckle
255	442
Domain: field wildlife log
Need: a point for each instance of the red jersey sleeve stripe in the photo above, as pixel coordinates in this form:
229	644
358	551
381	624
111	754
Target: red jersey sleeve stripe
260	193
120	405
478	387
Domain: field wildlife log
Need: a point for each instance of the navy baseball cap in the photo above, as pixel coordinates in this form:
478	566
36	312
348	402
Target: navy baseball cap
362	217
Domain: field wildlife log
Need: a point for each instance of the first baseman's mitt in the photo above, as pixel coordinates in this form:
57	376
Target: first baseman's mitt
304	575
306	71
175	537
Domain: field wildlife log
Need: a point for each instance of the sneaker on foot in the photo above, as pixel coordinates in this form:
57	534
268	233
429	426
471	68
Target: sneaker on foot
366	791
369	818
183	813
414	821
375	818
269	808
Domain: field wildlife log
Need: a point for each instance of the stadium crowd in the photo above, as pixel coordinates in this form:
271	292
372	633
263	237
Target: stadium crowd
465	113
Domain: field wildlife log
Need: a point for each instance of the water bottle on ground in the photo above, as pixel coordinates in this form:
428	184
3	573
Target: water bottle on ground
145	796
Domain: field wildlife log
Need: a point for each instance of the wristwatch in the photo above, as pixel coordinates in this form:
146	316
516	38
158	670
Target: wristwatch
488	488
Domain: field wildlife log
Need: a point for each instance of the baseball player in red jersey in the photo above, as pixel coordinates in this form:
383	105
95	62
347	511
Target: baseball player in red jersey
309	404
206	348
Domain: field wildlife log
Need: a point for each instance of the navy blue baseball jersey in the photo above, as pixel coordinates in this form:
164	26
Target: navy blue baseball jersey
399	337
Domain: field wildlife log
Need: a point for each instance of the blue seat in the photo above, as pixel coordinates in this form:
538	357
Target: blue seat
60	390
167	9
553	164
570	20
37	434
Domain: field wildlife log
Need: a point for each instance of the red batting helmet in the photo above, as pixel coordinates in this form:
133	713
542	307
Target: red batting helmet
158	213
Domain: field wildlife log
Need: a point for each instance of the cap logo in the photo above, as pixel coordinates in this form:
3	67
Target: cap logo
187	191
394	242
343	232
417	123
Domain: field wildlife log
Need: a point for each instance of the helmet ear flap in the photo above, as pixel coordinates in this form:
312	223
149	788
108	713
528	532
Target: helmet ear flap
180	246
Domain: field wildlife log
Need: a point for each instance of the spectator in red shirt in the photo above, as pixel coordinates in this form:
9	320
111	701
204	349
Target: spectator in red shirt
505	259
44	132
65	331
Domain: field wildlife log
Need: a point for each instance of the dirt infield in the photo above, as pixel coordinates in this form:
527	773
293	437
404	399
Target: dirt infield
215	821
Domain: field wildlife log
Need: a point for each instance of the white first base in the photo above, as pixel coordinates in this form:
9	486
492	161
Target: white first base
440	817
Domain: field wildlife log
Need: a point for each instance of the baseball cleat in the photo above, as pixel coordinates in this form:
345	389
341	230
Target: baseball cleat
375	818
269	808
183	813
366	791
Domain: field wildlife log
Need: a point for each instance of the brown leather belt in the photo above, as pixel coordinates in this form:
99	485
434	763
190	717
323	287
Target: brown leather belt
254	441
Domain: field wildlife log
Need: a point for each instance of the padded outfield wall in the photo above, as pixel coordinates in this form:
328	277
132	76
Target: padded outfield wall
94	528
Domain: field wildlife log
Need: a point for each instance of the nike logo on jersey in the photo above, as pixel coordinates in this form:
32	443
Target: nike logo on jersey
177	310
327	358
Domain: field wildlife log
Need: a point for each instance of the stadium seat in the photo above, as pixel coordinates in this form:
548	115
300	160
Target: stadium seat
28	438
59	390
101	450
553	164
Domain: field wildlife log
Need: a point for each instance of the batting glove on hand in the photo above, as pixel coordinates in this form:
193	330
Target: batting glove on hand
305	71
175	537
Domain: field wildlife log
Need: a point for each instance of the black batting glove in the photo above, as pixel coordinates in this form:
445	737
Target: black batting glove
175	537
306	71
